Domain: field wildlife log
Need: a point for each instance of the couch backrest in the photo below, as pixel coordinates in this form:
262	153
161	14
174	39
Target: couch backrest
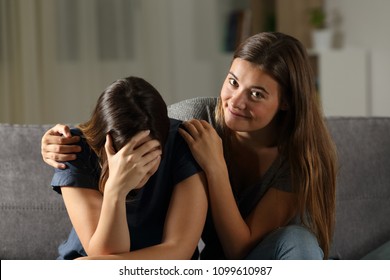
33	219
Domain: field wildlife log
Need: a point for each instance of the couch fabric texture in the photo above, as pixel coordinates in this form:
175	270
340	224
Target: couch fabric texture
34	221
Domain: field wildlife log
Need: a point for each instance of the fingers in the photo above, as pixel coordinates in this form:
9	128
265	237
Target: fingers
145	154
130	166
108	146
49	139
56	160
60	149
138	139
60	130
140	145
58	157
200	124
55	164
150	158
148	147
187	137
196	128
59	140
59	135
55	146
147	166
140	149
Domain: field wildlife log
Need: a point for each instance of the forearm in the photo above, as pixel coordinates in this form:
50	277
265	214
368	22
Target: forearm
233	231
163	251
112	233
183	225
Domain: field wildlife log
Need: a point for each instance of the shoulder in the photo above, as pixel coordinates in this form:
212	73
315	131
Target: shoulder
84	171
178	155
75	131
174	124
174	137
87	157
175	141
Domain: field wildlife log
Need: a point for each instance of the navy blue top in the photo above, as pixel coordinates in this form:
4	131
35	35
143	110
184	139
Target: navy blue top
146	212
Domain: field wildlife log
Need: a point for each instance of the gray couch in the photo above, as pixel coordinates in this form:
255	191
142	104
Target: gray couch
33	220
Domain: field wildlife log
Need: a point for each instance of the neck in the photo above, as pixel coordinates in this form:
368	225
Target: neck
259	139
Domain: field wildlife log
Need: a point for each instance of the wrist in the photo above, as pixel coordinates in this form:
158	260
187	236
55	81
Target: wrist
115	191
114	198
216	169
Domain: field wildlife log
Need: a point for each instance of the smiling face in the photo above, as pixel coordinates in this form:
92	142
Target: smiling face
250	97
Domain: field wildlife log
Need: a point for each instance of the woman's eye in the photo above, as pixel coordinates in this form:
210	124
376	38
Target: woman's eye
257	94
233	82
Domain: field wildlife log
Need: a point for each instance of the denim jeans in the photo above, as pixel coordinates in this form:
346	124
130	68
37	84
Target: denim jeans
292	242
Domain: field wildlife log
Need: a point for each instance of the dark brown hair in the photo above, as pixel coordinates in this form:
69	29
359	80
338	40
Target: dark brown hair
125	108
304	138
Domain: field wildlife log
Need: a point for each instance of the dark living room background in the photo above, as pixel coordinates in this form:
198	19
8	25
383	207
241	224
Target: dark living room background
57	56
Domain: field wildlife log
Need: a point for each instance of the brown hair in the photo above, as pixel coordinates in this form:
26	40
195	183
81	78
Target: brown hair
125	108
304	138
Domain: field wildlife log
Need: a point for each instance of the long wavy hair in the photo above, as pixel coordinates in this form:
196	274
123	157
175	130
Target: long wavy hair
304	138
125	108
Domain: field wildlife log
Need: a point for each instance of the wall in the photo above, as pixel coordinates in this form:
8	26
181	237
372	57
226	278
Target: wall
176	45
63	53
364	25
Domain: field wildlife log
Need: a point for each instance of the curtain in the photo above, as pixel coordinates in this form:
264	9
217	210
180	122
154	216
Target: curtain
18	77
57	56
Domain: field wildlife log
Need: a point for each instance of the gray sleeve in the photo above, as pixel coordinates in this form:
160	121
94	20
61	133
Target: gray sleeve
201	108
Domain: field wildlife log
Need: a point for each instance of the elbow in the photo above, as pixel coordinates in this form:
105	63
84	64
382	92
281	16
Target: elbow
180	250
104	250
185	253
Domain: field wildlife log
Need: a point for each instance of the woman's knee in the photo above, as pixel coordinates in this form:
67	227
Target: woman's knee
291	242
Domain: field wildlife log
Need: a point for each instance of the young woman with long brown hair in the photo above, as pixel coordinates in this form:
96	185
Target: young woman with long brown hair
271	168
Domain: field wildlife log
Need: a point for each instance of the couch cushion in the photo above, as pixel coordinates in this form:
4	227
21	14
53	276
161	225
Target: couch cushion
381	253
363	186
33	219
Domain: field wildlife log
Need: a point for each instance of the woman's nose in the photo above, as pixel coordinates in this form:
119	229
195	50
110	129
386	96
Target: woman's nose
238	100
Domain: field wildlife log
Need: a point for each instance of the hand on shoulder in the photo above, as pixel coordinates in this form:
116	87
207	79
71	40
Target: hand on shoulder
56	146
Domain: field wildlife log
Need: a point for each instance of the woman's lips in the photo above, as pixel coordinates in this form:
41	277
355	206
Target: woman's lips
238	115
